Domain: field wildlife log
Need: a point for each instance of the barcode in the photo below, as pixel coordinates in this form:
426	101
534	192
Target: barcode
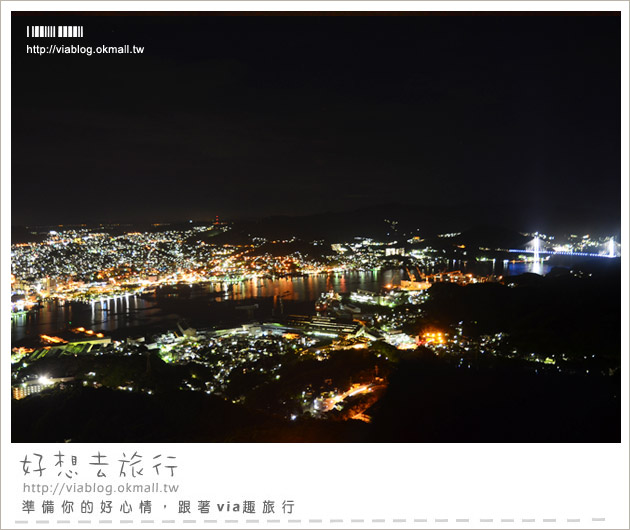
54	31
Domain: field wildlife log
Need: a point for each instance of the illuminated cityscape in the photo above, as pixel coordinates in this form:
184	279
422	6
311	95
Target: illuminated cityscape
331	362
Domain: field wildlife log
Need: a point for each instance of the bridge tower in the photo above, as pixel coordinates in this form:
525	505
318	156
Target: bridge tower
537	248
611	247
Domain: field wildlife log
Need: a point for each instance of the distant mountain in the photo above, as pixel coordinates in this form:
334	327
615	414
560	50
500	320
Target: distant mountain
387	222
493	237
400	222
21	234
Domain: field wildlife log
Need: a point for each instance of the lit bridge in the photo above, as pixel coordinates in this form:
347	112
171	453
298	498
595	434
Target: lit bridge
535	247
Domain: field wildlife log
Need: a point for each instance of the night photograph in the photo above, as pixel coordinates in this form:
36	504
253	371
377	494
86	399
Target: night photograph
316	227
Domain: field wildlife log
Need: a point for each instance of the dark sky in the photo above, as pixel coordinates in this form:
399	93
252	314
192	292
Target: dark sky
246	115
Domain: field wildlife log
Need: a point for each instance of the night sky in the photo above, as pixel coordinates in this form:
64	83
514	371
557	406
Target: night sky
259	115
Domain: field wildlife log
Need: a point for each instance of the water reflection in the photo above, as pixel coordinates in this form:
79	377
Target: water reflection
282	294
299	289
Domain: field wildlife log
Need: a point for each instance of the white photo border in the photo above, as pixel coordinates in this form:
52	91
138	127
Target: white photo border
361	485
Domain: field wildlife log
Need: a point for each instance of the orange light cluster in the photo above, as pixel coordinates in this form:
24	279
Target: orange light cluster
22	350
52	340
87	332
434	338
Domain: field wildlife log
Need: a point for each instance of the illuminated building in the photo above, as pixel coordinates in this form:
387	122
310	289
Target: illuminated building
317	324
36	385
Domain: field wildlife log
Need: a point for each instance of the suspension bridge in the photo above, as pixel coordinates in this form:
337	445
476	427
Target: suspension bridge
609	249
